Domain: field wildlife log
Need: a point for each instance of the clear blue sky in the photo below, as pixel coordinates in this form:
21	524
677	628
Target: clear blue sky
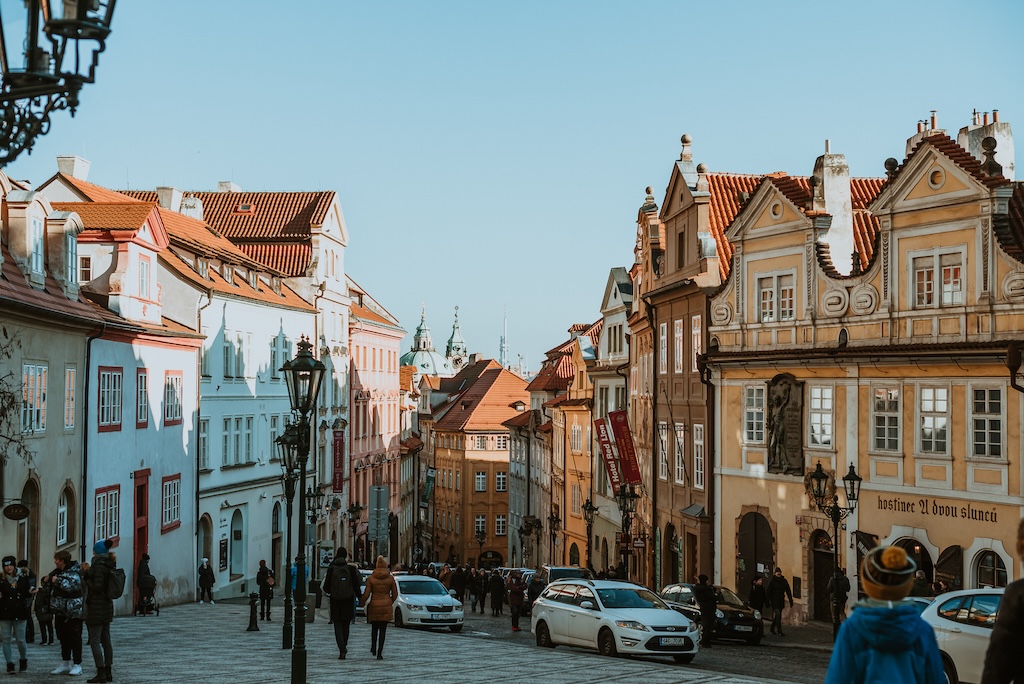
495	154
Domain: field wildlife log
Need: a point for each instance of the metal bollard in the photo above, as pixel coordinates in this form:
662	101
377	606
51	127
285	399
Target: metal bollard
253	626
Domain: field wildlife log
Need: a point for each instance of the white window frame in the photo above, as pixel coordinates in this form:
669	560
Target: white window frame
36	259
500	525
70	396
481	481
141	396
172	397
144	278
171	502
662	451
663	348
70	257
821	417
107	513
993	424
680	453
33	397
677	345
480	524
111	385
753	414
778	294
892	419
928	397
84	268
501	481
939	292
576	437
62	518
698	456
481	442
203	443
501	442
696	339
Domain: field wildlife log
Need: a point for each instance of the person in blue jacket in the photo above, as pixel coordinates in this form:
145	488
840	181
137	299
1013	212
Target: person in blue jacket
885	640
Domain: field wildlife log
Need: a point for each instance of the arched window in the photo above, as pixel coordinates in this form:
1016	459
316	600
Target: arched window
574	554
62	519
990	570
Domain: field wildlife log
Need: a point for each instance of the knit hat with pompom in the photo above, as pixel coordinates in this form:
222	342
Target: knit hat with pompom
887	573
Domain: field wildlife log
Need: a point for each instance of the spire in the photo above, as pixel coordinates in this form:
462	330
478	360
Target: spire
456	351
503	348
421	341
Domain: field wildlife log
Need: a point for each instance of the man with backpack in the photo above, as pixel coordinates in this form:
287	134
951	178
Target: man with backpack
342	585
103	582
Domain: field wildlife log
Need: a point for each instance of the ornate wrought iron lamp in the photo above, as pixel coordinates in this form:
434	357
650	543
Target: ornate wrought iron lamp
828	503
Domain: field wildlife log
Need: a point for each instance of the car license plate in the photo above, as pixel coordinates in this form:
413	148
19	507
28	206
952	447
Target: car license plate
744	628
672	641
439	616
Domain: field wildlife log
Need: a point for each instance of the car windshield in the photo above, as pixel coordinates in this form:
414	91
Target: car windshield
630	598
422	587
568	573
728	598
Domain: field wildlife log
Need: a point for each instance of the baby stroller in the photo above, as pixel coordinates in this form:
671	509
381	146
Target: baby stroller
147	604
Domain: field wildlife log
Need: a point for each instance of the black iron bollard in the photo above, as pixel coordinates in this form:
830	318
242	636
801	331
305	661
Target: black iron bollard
253	626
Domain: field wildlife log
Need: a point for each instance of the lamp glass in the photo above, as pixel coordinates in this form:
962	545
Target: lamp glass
852	483
303	376
819	484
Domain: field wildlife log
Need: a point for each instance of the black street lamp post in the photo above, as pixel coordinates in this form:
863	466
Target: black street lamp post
481	539
303	376
355	511
836	513
589	512
60	45
627	505
554	526
286	444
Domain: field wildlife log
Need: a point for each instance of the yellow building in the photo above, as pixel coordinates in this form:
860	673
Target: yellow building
892	361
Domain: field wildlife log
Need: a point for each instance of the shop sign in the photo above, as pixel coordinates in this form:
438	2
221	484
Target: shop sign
934	508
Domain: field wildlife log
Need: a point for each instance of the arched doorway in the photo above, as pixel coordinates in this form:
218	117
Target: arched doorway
919	554
670	556
237	564
206	538
755	550
822	565
574	554
275	543
28	529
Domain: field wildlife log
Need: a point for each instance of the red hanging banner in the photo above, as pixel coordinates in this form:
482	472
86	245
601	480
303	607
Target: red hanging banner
338	479
624	442
611	465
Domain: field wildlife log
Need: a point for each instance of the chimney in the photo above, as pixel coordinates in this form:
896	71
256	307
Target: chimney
925	128
831	194
971	139
169	198
73	166
228	186
192	207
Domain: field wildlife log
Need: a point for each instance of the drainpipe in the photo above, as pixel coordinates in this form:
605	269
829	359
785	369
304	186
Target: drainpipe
85	440
709	444
199	383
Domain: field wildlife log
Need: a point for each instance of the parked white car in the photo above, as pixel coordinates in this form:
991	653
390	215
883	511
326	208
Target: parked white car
612	617
963	622
424	602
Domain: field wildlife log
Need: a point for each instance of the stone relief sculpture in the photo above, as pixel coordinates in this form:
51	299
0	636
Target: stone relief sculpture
785	425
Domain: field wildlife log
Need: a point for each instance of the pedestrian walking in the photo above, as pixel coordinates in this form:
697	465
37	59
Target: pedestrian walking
483	585
778	591
15	596
44	615
30	629
757	598
341	584
459	579
707	600
516	597
265	580
533	592
379	597
206	581
885	639
839	589
292	571
1003	661
471	583
496	588
68	605
445	577
99	607
922	587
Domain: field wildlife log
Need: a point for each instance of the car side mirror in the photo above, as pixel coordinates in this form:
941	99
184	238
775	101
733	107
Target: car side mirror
589	605
451	592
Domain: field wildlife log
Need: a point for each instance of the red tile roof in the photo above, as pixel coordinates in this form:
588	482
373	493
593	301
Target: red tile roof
369	315
405	376
486	404
95	193
1009	228
289	258
273	215
200	238
15	291
556	371
725	189
520	420
958	155
124	215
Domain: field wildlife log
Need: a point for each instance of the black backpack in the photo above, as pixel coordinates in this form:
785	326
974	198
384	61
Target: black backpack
115	583
343	585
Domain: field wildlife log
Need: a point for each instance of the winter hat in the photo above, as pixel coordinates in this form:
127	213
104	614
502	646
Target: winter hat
9	560
102	546
887	573
381	563
205	560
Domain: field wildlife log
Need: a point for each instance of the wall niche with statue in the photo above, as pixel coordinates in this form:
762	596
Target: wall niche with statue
784	406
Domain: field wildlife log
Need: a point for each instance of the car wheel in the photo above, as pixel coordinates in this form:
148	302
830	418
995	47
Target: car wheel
754	640
399	622
544	636
606	643
683	659
456	628
950	669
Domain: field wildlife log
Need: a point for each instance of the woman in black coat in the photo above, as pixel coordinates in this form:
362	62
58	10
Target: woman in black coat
15	594
496	587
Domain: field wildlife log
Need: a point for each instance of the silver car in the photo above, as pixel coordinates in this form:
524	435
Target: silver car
963	622
424	602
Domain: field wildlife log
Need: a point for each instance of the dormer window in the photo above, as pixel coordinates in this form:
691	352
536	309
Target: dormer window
36	238
70	256
227	273
84	268
275	284
254	280
245	209
203	268
144	278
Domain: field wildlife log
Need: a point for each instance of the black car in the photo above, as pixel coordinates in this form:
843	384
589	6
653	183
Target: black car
733	618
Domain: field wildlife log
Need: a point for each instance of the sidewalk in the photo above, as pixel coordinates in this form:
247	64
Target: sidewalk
814	636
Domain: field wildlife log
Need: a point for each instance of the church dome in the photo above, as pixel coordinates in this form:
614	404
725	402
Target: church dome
423	356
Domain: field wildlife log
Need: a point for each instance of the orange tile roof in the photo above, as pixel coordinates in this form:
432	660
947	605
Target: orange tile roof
485	405
273	215
520	420
556	371
126	215
96	193
288	258
198	237
725	189
405	376
15	291
369	315
958	155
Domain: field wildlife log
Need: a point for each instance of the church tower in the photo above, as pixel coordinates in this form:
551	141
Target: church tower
456	351
423	356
